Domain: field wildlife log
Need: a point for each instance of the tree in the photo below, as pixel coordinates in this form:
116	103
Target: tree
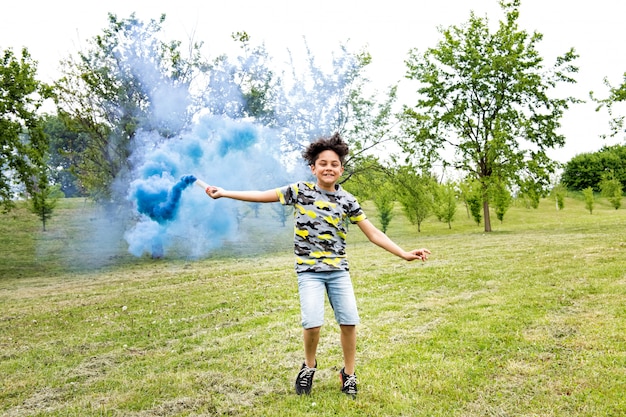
582	171
371	124
531	193
383	200
558	192
588	196
465	190
414	191
66	150
485	104
616	95
370	180
612	189
501	200
588	169
445	203
128	80
44	199
22	141
474	203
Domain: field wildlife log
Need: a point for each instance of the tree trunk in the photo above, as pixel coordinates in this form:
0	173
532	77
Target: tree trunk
486	215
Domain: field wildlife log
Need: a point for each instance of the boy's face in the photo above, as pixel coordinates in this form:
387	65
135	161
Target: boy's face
327	169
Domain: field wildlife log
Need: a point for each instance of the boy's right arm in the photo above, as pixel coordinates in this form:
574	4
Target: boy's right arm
267	196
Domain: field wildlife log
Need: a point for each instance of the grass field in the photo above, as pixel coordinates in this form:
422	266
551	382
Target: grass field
529	320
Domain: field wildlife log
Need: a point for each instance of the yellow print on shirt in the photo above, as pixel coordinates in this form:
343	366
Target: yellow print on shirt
281	196
333	262
320	254
302	210
325	204
303	233
357	219
332	220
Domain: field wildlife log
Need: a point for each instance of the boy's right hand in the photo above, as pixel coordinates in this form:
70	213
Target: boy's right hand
214	192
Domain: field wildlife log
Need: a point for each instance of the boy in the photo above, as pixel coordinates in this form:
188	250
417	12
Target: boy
319	245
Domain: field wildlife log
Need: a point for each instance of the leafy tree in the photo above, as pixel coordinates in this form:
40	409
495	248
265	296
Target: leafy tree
531	193
370	180
22	141
470	192
414	191
44	199
371	124
383	200
588	169
501	200
616	95
464	192
474	202
488	98
589	200
445	203
66	150
127	80
612	190
558	192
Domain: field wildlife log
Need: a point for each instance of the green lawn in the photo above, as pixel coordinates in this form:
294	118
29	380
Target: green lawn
528	320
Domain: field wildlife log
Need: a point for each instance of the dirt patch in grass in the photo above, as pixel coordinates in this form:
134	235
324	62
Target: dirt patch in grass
45	400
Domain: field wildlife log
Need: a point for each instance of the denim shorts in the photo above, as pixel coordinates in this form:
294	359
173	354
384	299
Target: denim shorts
313	286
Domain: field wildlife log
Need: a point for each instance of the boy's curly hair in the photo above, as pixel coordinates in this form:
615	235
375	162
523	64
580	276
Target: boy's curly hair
332	143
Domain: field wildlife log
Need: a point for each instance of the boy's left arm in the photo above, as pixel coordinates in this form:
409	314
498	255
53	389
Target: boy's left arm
378	238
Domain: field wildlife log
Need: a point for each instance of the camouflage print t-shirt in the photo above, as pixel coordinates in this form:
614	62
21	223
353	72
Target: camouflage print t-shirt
320	225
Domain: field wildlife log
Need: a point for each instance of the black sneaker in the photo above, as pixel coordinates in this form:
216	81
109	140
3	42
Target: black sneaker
348	383
304	380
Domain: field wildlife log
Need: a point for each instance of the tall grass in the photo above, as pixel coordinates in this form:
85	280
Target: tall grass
528	320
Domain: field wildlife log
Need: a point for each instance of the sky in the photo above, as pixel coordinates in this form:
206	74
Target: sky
388	29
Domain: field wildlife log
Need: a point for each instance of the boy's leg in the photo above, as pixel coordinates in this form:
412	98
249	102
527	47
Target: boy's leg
343	302
312	289
311	339
348	344
347	374
304	380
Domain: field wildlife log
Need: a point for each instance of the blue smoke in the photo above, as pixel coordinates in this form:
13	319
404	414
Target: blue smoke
229	153
162	205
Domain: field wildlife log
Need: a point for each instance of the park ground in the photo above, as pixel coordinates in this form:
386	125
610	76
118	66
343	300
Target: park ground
528	320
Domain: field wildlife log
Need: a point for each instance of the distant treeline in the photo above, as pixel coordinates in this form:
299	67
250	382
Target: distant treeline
589	169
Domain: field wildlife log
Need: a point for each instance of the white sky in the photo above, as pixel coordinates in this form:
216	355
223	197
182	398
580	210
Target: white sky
52	30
